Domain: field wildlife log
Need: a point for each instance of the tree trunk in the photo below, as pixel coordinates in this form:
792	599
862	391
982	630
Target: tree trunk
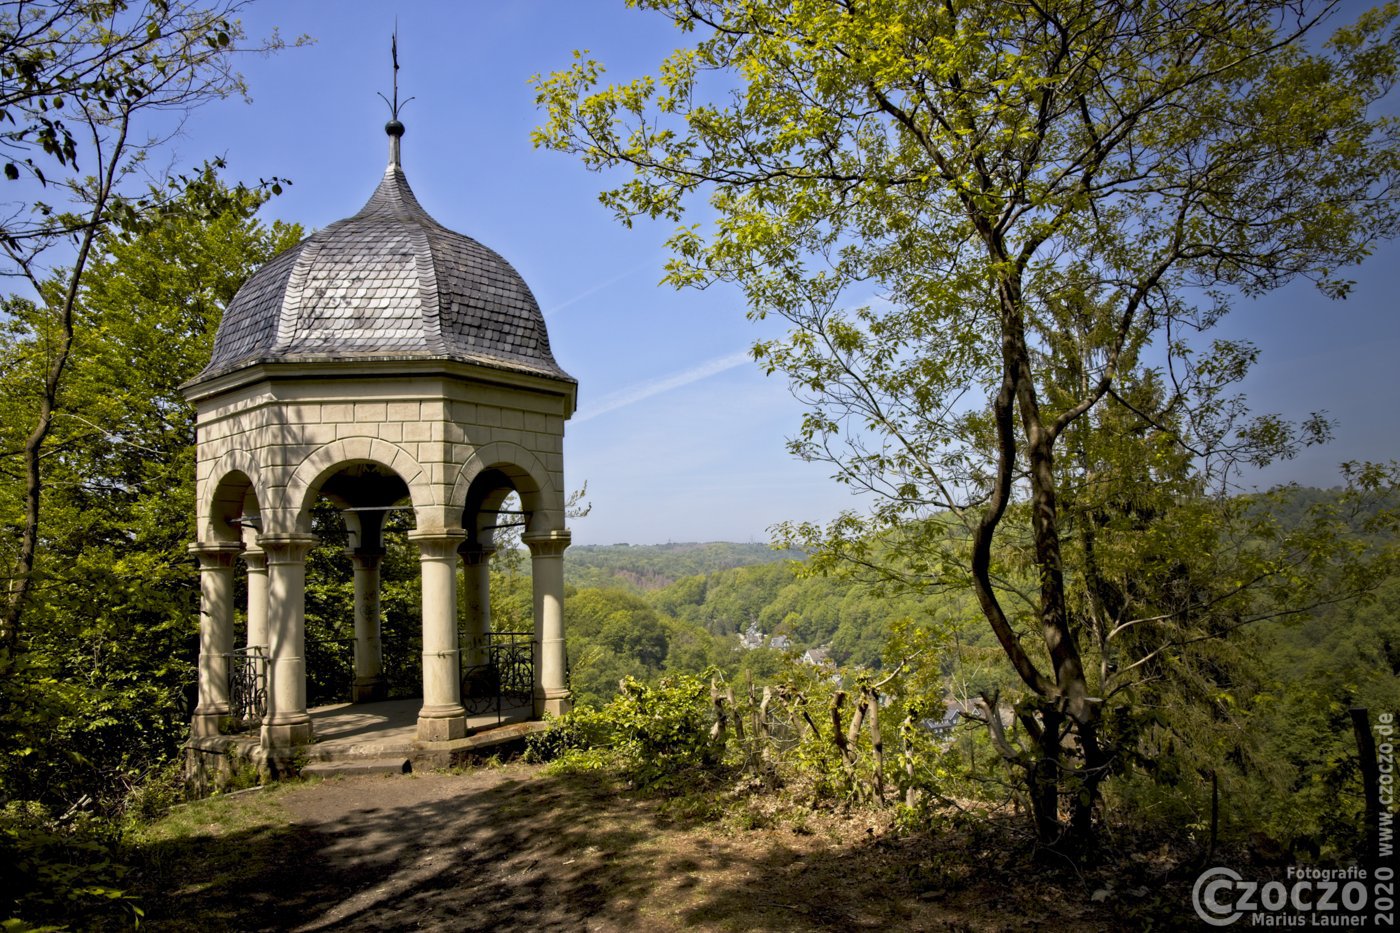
718	732
734	713
838	734
1370	783
906	731
22	579
1069	690
1086	797
764	729
877	745
1045	783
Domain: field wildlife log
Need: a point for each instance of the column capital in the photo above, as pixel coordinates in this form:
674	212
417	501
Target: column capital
256	559
473	554
366	558
215	555
438	545
285	548
547	543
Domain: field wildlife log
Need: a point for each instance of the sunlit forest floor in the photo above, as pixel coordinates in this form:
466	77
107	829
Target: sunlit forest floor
515	847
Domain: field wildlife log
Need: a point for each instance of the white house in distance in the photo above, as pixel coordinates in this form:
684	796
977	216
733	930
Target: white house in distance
382	362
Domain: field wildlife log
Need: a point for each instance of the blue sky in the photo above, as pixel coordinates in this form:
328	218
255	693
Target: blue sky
679	436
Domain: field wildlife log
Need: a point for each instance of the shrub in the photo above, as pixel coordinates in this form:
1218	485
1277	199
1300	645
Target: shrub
58	869
651	734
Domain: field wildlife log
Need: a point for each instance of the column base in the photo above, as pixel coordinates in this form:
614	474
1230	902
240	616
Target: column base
441	723
208	722
553	702
369	690
287	734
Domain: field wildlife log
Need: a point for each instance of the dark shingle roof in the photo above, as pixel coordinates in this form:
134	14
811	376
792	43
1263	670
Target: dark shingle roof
389	282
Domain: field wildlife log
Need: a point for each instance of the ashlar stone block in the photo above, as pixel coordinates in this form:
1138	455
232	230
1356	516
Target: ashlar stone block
371	412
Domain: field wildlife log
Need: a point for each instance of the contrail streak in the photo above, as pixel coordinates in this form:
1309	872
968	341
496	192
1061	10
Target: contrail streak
598	288
645	390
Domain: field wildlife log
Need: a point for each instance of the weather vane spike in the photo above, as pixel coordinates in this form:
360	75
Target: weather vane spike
394	128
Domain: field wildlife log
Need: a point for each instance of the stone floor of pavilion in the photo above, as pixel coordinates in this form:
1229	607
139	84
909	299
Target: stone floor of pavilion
348	731
357	738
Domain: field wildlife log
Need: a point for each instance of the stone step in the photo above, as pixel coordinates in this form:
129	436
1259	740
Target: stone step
356	766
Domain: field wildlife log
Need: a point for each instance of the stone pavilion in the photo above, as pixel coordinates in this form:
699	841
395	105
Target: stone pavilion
383	362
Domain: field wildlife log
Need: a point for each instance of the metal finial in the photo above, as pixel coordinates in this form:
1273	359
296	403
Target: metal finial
394	128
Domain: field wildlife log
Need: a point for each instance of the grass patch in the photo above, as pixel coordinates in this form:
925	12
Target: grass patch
219	815
172	855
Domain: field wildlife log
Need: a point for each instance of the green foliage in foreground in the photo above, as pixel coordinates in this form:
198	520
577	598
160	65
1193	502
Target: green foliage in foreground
650	733
816	737
97	693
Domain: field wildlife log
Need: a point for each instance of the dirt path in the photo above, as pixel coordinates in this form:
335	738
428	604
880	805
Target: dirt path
514	849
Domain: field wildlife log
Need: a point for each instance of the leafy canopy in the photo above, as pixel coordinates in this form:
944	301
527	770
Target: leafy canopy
996	229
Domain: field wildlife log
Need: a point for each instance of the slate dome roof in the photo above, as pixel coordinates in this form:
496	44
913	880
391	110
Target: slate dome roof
389	283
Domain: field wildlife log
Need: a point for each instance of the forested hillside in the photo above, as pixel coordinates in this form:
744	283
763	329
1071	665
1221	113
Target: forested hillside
646	567
1269	725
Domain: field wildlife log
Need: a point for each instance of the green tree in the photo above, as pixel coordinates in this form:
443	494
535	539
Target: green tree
613	634
85	83
990	226
97	688
99	692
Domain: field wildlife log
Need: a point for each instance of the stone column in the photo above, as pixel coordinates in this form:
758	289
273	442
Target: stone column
370	684
442	717
257	597
287	723
547	573
366	550
215	633
476	589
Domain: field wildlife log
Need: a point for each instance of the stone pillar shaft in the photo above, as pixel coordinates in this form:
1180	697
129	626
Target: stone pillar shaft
369	684
215	634
287	722
442	717
257	598
476	579
547	573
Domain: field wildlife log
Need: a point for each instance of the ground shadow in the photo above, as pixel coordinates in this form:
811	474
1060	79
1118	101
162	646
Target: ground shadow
515	849
541	854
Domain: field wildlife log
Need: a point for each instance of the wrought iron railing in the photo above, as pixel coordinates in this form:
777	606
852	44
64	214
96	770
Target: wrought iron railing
247	687
506	677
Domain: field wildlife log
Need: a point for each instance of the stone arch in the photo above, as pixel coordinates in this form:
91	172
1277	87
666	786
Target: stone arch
235	482
317	467
532	482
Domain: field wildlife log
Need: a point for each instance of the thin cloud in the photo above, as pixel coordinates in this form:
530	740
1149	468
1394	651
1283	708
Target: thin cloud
598	288
645	390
